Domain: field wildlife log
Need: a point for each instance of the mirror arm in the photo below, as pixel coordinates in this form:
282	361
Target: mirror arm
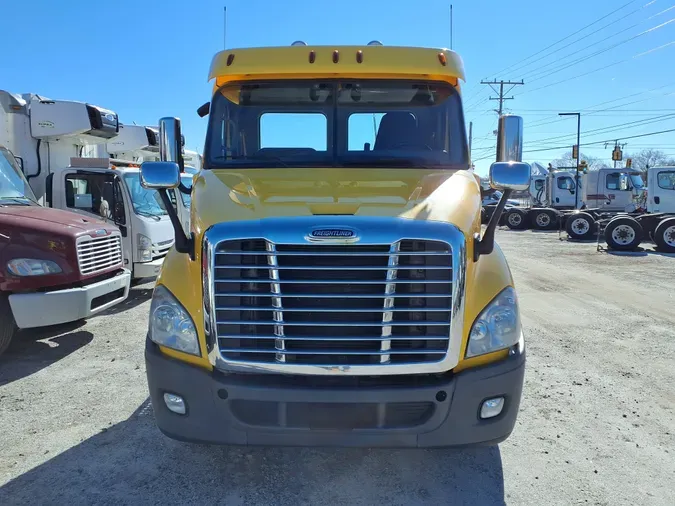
484	245
184	189
183	243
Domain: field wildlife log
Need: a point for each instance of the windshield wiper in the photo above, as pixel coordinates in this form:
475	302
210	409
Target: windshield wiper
392	162
22	201
254	158
148	215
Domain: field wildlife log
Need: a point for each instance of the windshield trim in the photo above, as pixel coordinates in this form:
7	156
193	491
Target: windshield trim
131	176
334	158
27	192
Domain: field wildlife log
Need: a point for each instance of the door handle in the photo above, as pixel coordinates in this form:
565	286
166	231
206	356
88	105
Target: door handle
657	200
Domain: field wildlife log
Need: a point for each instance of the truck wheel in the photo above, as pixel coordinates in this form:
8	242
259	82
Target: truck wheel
580	226
623	234
544	219
664	235
7	324
515	219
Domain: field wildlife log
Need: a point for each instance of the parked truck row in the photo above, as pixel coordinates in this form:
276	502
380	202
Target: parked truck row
76	225
615	203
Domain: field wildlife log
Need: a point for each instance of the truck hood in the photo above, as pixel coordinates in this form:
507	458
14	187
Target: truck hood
46	219
252	194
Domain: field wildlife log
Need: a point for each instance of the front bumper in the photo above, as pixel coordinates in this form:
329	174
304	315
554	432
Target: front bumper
250	410
148	269
40	309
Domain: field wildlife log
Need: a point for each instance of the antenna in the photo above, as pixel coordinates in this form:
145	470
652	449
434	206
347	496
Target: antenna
450	26
224	27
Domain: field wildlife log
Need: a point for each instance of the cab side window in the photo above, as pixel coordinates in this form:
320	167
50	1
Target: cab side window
566	183
93	193
613	181
666	180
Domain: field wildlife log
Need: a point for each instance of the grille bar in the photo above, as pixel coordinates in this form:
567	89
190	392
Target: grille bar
337	338
321	281
332	309
332	324
97	254
337	268
329	295
385	353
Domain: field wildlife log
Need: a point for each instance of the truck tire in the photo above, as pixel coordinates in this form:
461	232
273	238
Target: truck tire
664	235
8	326
515	219
543	219
580	226
623	234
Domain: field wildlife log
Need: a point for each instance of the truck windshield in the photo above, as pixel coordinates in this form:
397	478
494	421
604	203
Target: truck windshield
345	123
186	179
14	188
145	202
636	179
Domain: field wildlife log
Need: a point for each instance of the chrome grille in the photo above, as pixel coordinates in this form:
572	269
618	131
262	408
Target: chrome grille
332	305
97	254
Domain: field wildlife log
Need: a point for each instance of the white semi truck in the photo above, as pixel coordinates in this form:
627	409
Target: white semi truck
63	149
556	195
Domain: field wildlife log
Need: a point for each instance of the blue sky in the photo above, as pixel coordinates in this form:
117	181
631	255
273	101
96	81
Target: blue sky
147	60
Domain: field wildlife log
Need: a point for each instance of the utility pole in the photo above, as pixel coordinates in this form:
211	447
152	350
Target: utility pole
470	136
501	92
578	153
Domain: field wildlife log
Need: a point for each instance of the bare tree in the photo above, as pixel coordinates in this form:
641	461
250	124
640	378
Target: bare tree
646	158
567	161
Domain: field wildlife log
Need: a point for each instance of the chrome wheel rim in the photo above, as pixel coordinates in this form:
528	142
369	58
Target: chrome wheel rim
623	235
580	226
515	219
543	220
669	236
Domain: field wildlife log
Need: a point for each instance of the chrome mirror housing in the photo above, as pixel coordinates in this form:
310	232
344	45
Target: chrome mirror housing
510	176
171	141
510	139
160	175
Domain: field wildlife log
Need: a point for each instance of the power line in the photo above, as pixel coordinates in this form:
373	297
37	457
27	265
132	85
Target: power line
542	75
632	124
537	70
663	46
570	35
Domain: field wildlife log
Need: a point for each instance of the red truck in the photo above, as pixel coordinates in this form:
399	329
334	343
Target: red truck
55	266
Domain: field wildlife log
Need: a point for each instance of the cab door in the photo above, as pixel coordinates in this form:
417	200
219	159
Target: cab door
661	190
564	191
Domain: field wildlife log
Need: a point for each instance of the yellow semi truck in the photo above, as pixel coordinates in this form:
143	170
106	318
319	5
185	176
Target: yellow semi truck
335	287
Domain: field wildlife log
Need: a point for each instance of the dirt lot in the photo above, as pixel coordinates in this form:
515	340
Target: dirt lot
597	424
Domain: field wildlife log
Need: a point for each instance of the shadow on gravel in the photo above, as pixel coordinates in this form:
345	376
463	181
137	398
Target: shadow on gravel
33	350
137	296
133	463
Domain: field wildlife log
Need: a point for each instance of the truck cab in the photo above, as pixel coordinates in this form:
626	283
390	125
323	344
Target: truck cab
56	266
610	189
335	286
661	190
110	190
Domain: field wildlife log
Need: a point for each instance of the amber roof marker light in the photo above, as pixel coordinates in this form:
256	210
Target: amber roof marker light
336	56
443	59
359	56
230	59
312	56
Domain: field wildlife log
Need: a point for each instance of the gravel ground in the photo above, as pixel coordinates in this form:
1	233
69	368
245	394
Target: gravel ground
597	422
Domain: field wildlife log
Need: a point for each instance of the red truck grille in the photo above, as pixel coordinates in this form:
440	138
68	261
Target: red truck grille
332	305
97	254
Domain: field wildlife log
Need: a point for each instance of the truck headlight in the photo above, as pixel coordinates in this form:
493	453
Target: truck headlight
32	267
144	248
170	323
497	327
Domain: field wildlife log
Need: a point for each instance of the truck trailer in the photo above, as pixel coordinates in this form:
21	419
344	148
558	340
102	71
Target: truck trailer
334	287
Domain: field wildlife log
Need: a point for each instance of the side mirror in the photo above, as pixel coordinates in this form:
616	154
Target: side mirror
160	175
623	182
171	142
510	139
510	176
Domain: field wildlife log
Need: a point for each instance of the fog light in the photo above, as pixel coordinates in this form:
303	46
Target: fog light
175	403
491	407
